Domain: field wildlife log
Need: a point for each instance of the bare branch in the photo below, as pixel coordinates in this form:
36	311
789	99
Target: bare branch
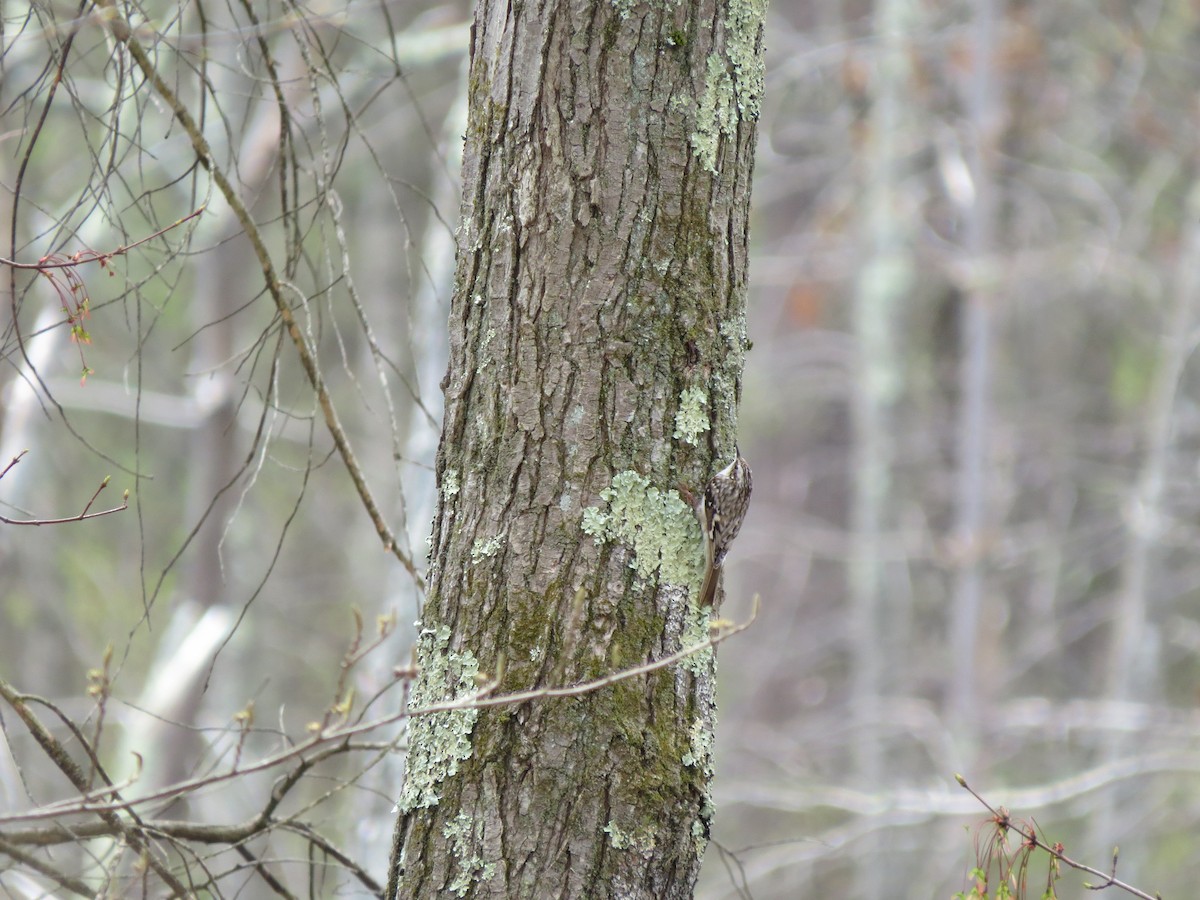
1004	820
89	256
123	33
58	754
83	516
74	885
99	802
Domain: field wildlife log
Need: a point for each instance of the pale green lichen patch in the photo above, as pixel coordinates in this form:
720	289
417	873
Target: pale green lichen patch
617	839
690	419
699	837
485	349
715	115
658	525
471	867
700	753
695	633
724	390
640	840
437	742
595	523
623	7
482	549
734	331
733	82
745	22
450	485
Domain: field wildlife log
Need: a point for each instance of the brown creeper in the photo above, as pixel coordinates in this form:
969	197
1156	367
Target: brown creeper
721	512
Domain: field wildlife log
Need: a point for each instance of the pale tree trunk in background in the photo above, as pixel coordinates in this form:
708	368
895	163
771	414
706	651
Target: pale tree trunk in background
883	284
1134	662
597	336
1131	661
975	382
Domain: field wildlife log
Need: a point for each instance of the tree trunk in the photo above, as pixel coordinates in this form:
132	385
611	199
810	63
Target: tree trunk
597	336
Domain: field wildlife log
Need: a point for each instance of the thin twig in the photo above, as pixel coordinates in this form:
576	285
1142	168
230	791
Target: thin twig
16	459
93	802
122	31
59	756
82	517
89	256
74	885
1030	835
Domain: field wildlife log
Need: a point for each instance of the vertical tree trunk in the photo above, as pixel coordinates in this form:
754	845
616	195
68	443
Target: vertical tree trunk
1132	662
975	385
597	336
885	279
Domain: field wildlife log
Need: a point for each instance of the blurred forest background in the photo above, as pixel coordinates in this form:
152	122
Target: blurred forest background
970	409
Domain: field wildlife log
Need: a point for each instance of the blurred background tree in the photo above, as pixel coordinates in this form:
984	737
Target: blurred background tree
976	229
968	408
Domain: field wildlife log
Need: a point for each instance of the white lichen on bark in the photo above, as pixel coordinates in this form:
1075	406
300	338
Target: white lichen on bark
733	82
437	742
640	840
691	421
696	632
658	525
460	832
484	548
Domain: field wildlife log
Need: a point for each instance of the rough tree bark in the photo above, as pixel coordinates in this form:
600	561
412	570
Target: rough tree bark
597	337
